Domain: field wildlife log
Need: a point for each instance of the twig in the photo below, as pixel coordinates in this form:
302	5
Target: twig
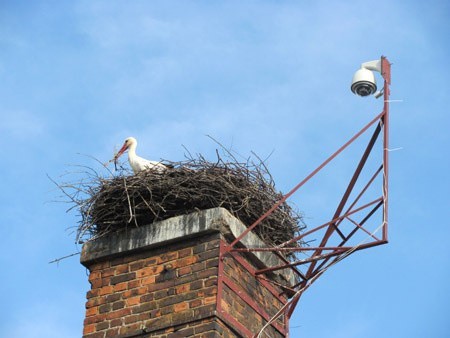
57	260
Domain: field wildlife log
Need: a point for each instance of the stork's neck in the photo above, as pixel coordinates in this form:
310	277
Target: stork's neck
132	150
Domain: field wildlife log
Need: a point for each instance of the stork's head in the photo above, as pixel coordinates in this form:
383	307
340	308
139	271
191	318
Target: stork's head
130	142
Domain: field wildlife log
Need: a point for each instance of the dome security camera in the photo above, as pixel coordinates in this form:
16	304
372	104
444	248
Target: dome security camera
364	83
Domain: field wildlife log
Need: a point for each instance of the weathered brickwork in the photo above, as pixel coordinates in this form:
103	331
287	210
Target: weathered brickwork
146	292
182	289
248	299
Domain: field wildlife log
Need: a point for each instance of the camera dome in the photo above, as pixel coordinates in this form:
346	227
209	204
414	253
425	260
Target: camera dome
364	83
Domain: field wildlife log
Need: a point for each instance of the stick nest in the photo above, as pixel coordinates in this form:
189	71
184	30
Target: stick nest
246	190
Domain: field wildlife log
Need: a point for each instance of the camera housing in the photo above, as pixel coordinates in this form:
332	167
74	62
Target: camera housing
364	83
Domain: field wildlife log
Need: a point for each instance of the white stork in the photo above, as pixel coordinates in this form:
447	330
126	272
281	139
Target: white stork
138	163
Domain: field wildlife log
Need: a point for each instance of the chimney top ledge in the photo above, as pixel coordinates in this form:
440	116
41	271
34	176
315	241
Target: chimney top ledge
176	229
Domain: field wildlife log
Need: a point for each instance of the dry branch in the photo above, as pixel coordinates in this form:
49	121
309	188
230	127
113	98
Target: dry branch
246	189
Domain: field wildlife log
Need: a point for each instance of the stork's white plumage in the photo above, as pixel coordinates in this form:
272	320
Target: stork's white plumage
138	163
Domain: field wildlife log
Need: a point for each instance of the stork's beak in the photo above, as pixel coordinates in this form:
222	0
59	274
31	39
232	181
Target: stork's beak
121	151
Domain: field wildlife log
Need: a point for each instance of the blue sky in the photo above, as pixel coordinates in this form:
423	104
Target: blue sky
264	76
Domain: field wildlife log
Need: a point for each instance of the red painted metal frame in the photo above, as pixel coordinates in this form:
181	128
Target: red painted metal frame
250	302
224	280
268	284
224	315
325	255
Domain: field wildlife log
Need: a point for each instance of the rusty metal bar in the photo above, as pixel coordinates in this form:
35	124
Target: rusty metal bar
363	229
349	189
362	222
284	287
351	233
294	302
306	179
335	252
354	249
289	249
247	266
250	302
297	238
369	183
284	259
386	73
220	274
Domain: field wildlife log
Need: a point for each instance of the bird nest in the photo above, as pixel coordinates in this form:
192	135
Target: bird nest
246	190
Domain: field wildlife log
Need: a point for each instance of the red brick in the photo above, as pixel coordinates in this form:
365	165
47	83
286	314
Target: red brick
143	307
113	297
161	294
111	333
207	273
151	261
88	328
94	319
134	292
132	319
167	310
181	307
121	287
95	302
195	303
133	301
95	275
120	269
116	322
182	333
118	313
134	284
105	290
92	293
198	266
123	278
211	281
102	326
198	284
184	271
159	286
105	308
108	272
210	300
149	271
137	265
183	288
118	305
148	280
95	335
91	311
212	290
185	252
130	329
147	298
186	261
99	266
170	256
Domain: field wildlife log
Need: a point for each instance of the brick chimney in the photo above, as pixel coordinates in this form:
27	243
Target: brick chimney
167	280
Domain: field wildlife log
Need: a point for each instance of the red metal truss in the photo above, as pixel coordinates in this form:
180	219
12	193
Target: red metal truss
336	243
